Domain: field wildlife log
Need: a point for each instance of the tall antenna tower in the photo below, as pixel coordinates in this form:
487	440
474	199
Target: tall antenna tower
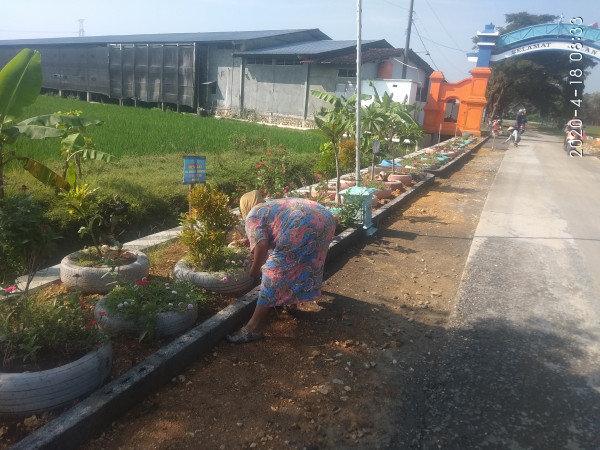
81	30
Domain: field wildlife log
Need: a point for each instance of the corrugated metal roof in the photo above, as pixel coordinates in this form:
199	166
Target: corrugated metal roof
375	55
311	48
218	36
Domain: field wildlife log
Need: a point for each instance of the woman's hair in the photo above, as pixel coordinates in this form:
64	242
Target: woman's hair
248	201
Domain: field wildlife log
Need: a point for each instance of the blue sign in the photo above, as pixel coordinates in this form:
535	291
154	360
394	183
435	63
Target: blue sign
194	169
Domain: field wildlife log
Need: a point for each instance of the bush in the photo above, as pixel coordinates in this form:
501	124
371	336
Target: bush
46	330
347	158
26	239
205	227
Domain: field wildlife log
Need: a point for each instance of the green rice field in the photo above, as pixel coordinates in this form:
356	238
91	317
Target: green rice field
148	146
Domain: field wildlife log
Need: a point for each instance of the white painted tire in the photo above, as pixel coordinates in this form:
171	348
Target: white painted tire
89	280
168	324
24	394
238	281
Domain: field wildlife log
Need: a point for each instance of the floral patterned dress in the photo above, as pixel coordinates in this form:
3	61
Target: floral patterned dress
299	232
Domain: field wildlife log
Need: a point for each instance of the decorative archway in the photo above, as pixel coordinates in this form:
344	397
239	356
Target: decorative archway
492	47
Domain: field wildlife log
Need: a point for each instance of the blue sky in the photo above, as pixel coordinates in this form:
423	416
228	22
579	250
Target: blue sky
441	35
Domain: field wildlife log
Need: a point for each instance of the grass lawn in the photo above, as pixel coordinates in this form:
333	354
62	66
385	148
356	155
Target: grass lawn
149	145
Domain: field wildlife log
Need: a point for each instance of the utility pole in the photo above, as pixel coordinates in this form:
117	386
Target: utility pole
81	30
358	89
407	45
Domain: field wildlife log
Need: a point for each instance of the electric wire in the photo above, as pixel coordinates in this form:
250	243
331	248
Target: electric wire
424	46
441	23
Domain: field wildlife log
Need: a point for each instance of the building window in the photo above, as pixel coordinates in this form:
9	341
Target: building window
259	60
287	61
345	89
346	73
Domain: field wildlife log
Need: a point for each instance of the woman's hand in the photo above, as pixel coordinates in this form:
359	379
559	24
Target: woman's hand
239	243
261	253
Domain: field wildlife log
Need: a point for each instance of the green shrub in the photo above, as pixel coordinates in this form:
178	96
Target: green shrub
26	239
38	327
205	227
146	299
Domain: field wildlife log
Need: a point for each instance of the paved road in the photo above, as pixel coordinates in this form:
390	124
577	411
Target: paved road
520	367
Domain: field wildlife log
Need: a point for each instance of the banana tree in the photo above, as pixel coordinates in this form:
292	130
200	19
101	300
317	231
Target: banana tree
392	119
335	123
20	85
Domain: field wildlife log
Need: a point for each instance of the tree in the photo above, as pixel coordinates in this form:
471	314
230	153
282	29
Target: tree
386	119
20	85
591	109
335	123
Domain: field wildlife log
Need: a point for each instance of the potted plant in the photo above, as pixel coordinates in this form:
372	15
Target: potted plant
150	308
209	262
381	192
52	352
99	268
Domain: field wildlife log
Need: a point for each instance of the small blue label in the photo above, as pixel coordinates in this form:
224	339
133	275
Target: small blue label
194	169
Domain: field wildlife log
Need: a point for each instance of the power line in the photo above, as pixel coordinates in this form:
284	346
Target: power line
446	46
423	44
443	54
394	4
441	23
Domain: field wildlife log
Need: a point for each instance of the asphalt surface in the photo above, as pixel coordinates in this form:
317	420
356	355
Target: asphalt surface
519	367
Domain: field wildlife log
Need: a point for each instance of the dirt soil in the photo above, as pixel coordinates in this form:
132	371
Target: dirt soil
331	375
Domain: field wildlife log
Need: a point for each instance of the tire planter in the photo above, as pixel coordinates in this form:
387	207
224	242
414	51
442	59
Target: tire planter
168	324
393	185
27	393
383	193
237	281
405	179
89	280
395	176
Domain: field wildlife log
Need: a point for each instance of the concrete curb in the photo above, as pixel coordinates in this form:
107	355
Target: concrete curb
103	407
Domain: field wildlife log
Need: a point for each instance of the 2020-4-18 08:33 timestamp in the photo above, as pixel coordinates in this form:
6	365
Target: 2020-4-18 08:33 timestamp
575	73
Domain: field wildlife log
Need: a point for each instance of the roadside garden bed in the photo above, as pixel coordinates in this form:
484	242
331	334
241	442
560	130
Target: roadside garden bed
129	352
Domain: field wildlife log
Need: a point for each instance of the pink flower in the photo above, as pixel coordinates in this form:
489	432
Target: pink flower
269	153
142	282
224	279
10	289
280	145
319	176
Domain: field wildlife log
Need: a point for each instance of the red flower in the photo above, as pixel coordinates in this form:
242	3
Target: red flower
142	282
319	176
83	304
280	145
269	153
91	323
257	166
102	313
